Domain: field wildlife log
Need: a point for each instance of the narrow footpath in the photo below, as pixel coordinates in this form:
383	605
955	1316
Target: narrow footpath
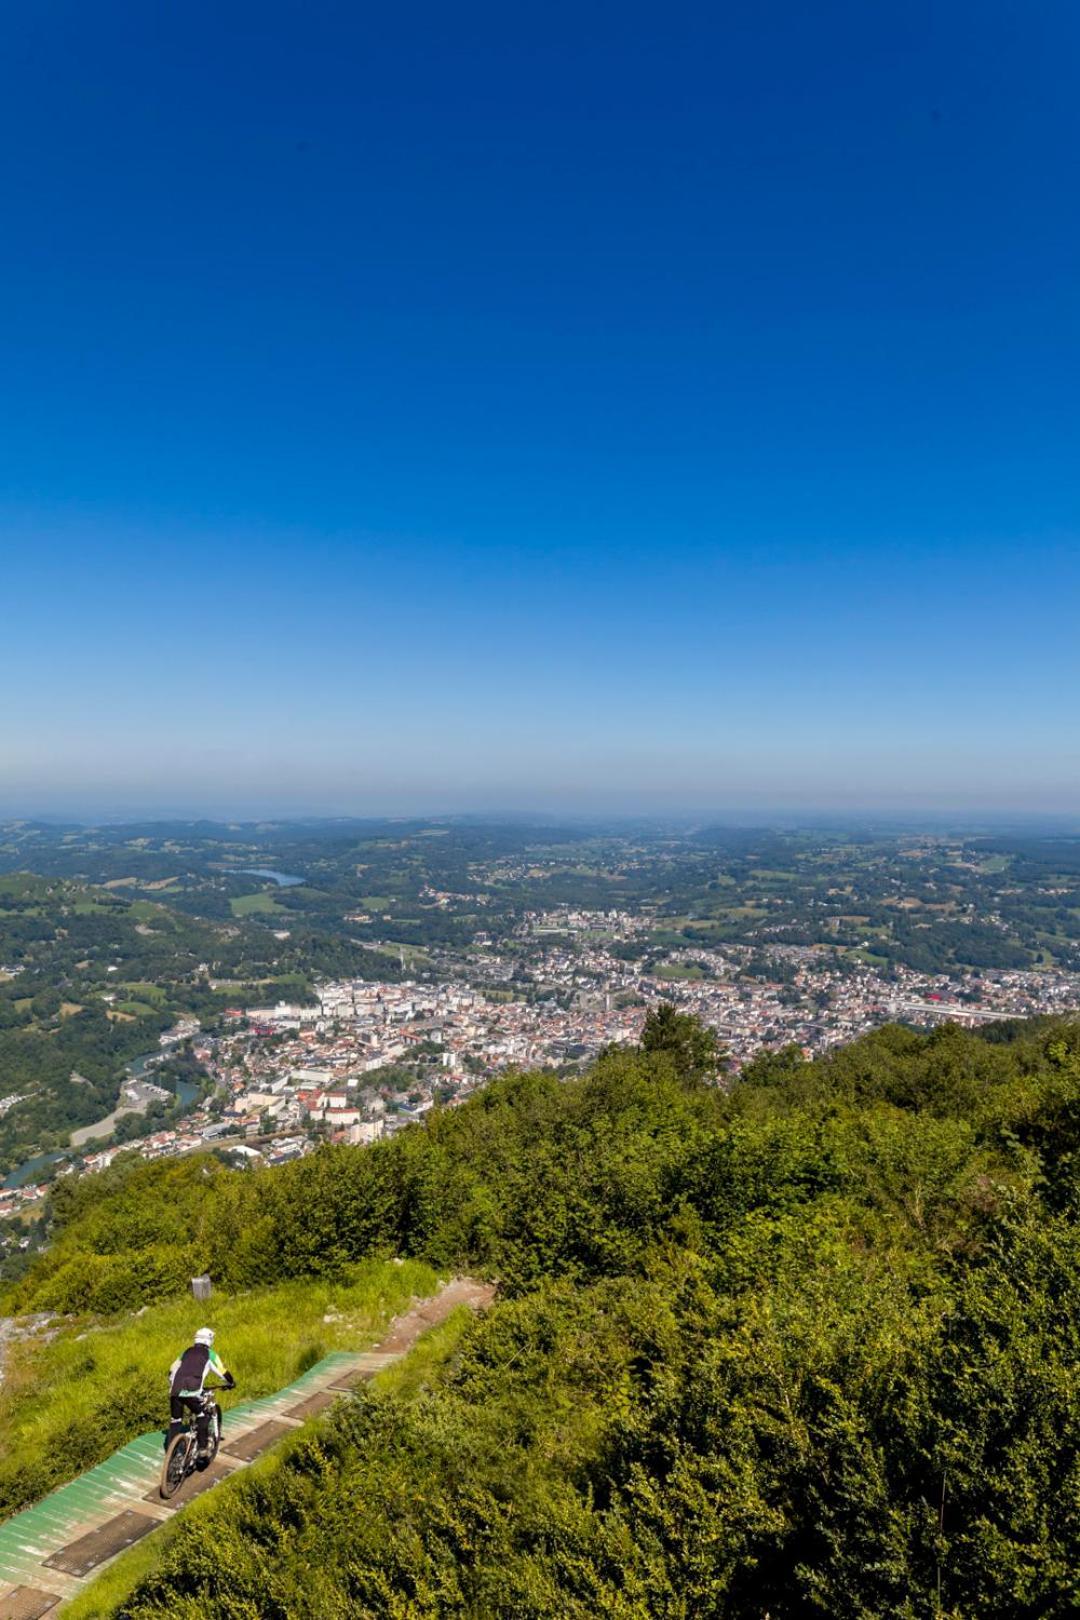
51	1550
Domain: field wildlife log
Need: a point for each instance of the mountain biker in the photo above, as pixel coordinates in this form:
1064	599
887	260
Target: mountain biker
187	1375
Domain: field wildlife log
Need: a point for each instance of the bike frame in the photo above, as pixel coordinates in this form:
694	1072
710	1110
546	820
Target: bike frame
184	1446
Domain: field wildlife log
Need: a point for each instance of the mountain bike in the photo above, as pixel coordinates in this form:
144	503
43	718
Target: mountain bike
181	1458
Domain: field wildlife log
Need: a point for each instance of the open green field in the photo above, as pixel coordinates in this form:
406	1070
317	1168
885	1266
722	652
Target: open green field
145	910
246	905
412	955
68	1404
678	970
140	990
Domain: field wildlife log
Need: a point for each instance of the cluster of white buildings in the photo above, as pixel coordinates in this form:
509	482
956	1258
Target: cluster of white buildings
369	1058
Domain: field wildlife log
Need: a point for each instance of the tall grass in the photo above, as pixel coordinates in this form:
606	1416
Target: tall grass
68	1404
404	1381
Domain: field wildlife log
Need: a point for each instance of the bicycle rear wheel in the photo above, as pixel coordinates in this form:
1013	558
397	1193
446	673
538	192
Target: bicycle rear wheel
174	1469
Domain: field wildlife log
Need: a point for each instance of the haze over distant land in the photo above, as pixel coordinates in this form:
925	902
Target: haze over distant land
227	796
866	791
640	413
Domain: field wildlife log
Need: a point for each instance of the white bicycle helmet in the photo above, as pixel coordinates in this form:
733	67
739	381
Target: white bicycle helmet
205	1336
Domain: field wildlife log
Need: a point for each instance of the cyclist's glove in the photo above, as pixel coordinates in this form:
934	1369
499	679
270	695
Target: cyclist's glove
230	1381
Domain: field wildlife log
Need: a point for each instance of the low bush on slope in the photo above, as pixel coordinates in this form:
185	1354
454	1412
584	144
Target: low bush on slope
670	1449
802	1347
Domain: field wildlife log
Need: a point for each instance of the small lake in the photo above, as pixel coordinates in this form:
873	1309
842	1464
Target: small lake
284	880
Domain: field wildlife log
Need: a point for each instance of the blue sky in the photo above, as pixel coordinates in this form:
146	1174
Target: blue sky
606	407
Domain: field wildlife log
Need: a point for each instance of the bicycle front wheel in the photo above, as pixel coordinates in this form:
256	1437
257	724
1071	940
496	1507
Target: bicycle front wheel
174	1469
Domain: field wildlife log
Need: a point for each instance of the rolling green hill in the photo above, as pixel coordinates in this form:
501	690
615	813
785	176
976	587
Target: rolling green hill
927	901
88	979
806	1346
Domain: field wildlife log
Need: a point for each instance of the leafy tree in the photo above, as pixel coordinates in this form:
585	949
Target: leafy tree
692	1047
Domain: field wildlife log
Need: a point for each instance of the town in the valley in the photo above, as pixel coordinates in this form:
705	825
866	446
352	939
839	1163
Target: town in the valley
367	1058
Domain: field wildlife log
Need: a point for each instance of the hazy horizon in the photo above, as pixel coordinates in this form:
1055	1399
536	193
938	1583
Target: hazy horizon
930	818
289	791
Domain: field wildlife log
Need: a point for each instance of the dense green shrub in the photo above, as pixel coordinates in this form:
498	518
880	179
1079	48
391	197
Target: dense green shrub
804	1345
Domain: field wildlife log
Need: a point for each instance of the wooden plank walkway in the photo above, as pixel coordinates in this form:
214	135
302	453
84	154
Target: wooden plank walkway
49	1551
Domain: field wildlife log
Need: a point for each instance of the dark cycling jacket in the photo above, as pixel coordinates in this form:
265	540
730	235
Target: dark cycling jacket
188	1372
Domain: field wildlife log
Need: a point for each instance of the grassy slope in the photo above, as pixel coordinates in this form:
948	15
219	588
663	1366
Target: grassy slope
245	905
67	1405
405	1381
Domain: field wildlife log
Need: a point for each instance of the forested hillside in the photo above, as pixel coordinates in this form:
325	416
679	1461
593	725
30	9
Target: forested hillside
932	902
808	1345
89	977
